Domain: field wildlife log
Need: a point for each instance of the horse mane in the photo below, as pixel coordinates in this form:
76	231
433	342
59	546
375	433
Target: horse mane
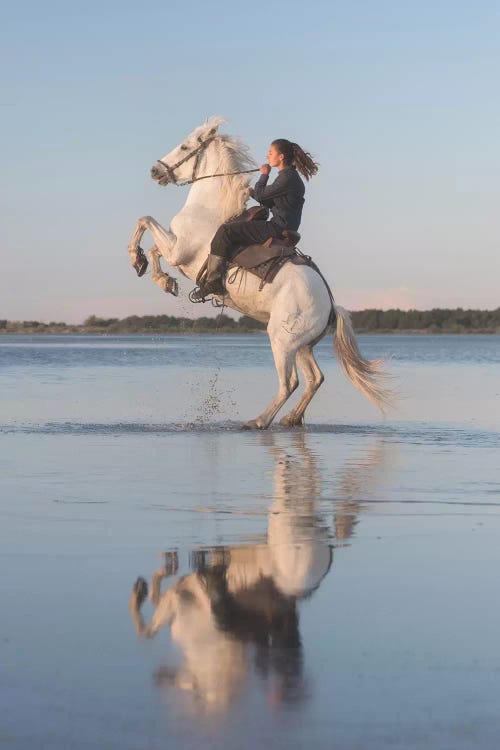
233	156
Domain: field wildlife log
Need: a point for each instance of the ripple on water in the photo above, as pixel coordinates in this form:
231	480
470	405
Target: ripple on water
408	433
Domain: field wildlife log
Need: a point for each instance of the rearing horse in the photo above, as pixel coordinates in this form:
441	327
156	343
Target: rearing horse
296	306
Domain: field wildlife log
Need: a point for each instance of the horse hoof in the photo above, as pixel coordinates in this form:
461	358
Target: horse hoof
171	287
140	590
141	262
289	421
254	424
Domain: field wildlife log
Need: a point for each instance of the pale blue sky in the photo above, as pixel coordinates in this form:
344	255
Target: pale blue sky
397	100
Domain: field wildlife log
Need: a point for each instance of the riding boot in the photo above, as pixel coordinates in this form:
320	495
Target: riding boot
213	281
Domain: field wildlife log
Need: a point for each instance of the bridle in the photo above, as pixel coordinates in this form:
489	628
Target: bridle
197	153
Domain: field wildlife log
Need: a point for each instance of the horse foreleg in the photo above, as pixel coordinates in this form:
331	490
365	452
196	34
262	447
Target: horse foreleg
165	609
164	243
284	359
134	244
313	377
164	281
139	593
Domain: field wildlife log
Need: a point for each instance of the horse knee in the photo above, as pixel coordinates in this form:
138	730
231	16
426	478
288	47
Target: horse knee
144	221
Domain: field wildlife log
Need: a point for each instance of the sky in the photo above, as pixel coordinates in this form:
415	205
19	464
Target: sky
397	100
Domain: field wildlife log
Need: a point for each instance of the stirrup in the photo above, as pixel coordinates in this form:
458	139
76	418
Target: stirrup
198	294
204	293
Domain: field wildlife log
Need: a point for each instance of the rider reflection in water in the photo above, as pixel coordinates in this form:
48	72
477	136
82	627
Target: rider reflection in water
261	616
240	607
285	198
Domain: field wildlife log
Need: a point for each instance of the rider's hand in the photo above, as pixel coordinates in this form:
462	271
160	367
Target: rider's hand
265	169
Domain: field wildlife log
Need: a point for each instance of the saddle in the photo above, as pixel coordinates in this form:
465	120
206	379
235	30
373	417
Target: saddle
264	261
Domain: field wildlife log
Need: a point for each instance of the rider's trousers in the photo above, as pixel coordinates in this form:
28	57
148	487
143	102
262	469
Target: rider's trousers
241	234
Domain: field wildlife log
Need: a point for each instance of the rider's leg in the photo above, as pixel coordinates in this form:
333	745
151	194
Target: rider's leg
244	233
226	239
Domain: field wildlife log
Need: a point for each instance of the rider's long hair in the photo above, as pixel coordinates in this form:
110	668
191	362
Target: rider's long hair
295	156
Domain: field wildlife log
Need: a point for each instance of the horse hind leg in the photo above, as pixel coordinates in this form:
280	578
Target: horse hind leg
313	377
284	359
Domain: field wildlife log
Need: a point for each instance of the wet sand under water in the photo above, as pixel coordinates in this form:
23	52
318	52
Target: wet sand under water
332	586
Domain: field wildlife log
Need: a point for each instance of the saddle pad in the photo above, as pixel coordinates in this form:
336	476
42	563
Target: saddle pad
265	262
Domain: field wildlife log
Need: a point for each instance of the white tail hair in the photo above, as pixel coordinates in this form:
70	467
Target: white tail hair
366	374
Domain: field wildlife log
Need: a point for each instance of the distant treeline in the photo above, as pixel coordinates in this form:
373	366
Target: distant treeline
153	324
365	321
428	321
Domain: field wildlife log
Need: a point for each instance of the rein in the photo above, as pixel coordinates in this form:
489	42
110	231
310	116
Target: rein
197	152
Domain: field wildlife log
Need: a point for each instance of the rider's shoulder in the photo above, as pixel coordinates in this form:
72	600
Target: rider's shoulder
289	173
294	177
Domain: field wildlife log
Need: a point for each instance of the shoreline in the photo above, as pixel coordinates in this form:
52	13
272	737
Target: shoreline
396	322
78	331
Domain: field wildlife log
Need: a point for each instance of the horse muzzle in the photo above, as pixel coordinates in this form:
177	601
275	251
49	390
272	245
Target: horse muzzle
160	175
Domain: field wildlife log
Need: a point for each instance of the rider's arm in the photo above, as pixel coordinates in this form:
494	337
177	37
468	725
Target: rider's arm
256	191
263	192
262	201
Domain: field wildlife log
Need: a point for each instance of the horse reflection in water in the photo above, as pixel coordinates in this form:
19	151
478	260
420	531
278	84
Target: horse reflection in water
240	605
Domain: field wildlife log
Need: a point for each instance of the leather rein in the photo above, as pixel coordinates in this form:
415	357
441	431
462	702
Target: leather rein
197	154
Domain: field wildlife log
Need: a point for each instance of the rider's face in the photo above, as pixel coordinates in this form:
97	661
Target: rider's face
274	157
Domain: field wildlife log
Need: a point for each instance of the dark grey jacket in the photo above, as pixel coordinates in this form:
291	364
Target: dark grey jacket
285	197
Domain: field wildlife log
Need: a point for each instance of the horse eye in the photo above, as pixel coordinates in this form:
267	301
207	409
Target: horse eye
184	148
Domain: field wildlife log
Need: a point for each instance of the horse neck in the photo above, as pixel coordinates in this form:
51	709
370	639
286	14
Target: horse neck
213	201
206	195
224	196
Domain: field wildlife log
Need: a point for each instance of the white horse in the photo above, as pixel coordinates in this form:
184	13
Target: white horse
296	306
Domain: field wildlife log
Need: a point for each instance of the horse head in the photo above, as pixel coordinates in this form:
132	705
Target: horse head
182	163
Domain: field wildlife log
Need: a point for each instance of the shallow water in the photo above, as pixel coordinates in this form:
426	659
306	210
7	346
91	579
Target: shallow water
331	586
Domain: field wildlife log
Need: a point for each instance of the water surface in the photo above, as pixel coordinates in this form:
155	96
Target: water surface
331	586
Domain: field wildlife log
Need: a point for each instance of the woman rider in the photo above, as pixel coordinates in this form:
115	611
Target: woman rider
285	198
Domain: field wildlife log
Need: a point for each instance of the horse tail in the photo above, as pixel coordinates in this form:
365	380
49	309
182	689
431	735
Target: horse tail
366	374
